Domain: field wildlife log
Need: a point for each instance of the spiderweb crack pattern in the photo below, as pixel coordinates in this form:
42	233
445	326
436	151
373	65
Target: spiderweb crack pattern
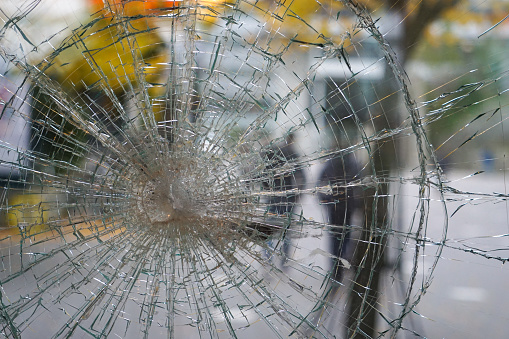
219	169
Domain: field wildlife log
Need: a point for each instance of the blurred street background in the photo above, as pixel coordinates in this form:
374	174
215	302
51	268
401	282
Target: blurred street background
454	53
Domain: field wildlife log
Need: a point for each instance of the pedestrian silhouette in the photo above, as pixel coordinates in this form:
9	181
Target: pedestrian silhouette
340	204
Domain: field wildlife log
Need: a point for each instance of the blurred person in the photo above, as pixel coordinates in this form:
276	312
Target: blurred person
285	175
340	204
285	178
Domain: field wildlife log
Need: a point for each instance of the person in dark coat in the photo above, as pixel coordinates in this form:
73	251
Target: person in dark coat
340	205
284	175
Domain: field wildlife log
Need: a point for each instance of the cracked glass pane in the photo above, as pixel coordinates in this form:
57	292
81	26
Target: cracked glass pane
253	168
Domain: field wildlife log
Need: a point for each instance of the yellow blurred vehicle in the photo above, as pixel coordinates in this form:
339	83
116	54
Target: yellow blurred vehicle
116	57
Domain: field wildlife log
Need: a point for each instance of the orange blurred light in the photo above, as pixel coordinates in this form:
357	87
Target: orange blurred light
210	2
133	7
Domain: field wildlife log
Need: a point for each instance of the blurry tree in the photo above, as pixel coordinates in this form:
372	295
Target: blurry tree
414	16
417	15
369	257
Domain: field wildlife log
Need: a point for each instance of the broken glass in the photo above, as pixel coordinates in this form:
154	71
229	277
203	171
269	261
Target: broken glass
242	169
